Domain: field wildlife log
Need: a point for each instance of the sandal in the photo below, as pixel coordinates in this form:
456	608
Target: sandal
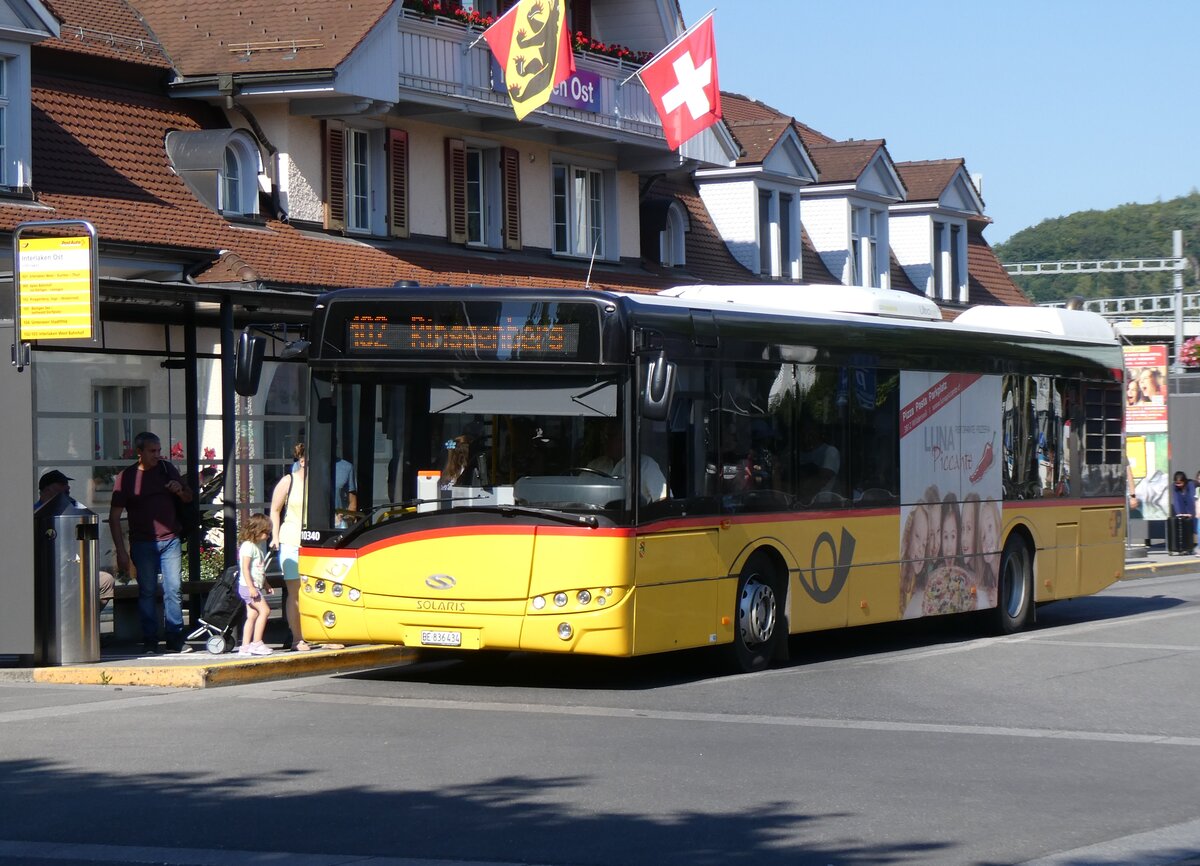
301	647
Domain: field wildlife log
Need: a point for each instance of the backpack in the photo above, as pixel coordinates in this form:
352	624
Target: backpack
187	513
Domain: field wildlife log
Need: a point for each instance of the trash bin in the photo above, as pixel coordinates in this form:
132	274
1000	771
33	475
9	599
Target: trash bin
66	603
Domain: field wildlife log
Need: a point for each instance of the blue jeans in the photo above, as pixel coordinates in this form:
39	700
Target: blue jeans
149	558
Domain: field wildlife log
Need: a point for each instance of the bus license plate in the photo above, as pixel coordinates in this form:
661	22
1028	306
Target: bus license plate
441	638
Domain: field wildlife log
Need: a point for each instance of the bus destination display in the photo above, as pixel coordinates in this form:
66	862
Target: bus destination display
418	335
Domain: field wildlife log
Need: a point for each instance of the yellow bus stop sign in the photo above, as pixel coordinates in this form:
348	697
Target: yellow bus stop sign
56	288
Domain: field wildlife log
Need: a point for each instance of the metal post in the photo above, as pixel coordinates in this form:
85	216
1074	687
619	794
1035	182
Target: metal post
228	433
1177	286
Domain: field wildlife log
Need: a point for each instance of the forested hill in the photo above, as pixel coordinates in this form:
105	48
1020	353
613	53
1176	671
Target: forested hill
1130	231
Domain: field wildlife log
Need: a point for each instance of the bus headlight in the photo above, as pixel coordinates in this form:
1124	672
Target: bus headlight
539	602
565	631
329	619
583	596
320	586
560	599
337	590
354	594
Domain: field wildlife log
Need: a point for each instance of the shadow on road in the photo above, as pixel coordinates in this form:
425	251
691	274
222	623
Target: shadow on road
512	819
549	671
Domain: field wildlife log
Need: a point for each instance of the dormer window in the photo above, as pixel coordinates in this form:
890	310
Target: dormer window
950	262
221	166
864	242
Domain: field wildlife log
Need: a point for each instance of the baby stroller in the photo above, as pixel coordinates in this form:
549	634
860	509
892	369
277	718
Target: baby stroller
223	612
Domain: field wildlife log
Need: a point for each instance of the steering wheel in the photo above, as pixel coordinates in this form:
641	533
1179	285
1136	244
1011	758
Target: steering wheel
579	470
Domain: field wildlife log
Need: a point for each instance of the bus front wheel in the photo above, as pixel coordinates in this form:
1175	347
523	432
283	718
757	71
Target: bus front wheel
1014	588
758	618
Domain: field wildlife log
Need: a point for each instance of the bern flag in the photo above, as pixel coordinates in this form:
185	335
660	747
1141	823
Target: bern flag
531	43
682	82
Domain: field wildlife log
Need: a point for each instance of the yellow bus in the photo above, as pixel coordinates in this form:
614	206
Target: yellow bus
614	474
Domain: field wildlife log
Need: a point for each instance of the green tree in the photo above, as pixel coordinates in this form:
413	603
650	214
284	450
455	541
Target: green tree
1129	231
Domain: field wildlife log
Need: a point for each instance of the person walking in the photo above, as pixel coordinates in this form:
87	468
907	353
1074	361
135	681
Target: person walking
148	491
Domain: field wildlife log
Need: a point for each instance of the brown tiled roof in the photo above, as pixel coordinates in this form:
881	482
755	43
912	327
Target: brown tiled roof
210	36
104	28
844	161
927	180
815	270
989	282
757	126
900	278
99	156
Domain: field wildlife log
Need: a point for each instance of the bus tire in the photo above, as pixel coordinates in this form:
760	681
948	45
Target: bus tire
758	617
1014	588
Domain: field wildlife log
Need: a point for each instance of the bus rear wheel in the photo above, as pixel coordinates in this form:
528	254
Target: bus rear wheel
1014	588
758	618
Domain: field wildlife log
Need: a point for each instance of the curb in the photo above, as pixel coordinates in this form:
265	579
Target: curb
1144	569
210	674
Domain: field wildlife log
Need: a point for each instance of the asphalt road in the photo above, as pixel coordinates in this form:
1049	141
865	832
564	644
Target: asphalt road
1075	743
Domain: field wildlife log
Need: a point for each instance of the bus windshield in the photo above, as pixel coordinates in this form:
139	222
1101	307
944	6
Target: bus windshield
418	443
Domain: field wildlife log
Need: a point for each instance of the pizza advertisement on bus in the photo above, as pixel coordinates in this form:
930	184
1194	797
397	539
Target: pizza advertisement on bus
950	484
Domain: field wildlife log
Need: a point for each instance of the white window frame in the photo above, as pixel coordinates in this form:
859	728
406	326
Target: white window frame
358	180
238	191
488	213
114	427
778	256
672	240
5	114
580	224
949	278
864	245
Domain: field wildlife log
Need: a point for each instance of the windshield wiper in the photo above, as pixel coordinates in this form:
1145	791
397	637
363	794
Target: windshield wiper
408	507
552	513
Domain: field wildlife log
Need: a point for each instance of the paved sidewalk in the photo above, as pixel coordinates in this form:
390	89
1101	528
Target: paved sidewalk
122	664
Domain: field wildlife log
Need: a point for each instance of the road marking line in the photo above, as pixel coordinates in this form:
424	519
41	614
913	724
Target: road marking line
1107	645
729	719
1173	844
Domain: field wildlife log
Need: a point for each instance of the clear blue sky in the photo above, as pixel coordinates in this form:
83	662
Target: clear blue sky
1061	105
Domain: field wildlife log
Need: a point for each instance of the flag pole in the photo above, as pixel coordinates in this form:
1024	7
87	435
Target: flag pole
669	45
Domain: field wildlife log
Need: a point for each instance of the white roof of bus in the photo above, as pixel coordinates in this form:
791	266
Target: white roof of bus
910	309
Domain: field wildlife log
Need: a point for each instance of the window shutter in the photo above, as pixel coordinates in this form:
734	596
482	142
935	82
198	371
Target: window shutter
581	17
397	157
456	191
510	168
333	140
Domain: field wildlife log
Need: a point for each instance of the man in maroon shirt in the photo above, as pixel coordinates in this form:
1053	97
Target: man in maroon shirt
148	491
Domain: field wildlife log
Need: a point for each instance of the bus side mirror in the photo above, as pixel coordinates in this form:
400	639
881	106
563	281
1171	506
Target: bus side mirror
247	363
660	388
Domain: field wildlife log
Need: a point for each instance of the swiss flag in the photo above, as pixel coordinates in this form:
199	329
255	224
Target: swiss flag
682	83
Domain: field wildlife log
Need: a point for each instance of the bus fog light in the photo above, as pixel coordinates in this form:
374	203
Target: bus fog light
354	595
565	631
600	601
337	590
608	590
538	602
329	620
307	586
560	599
320	586
584	596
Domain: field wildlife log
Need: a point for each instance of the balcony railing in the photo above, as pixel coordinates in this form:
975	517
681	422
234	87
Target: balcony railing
436	62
